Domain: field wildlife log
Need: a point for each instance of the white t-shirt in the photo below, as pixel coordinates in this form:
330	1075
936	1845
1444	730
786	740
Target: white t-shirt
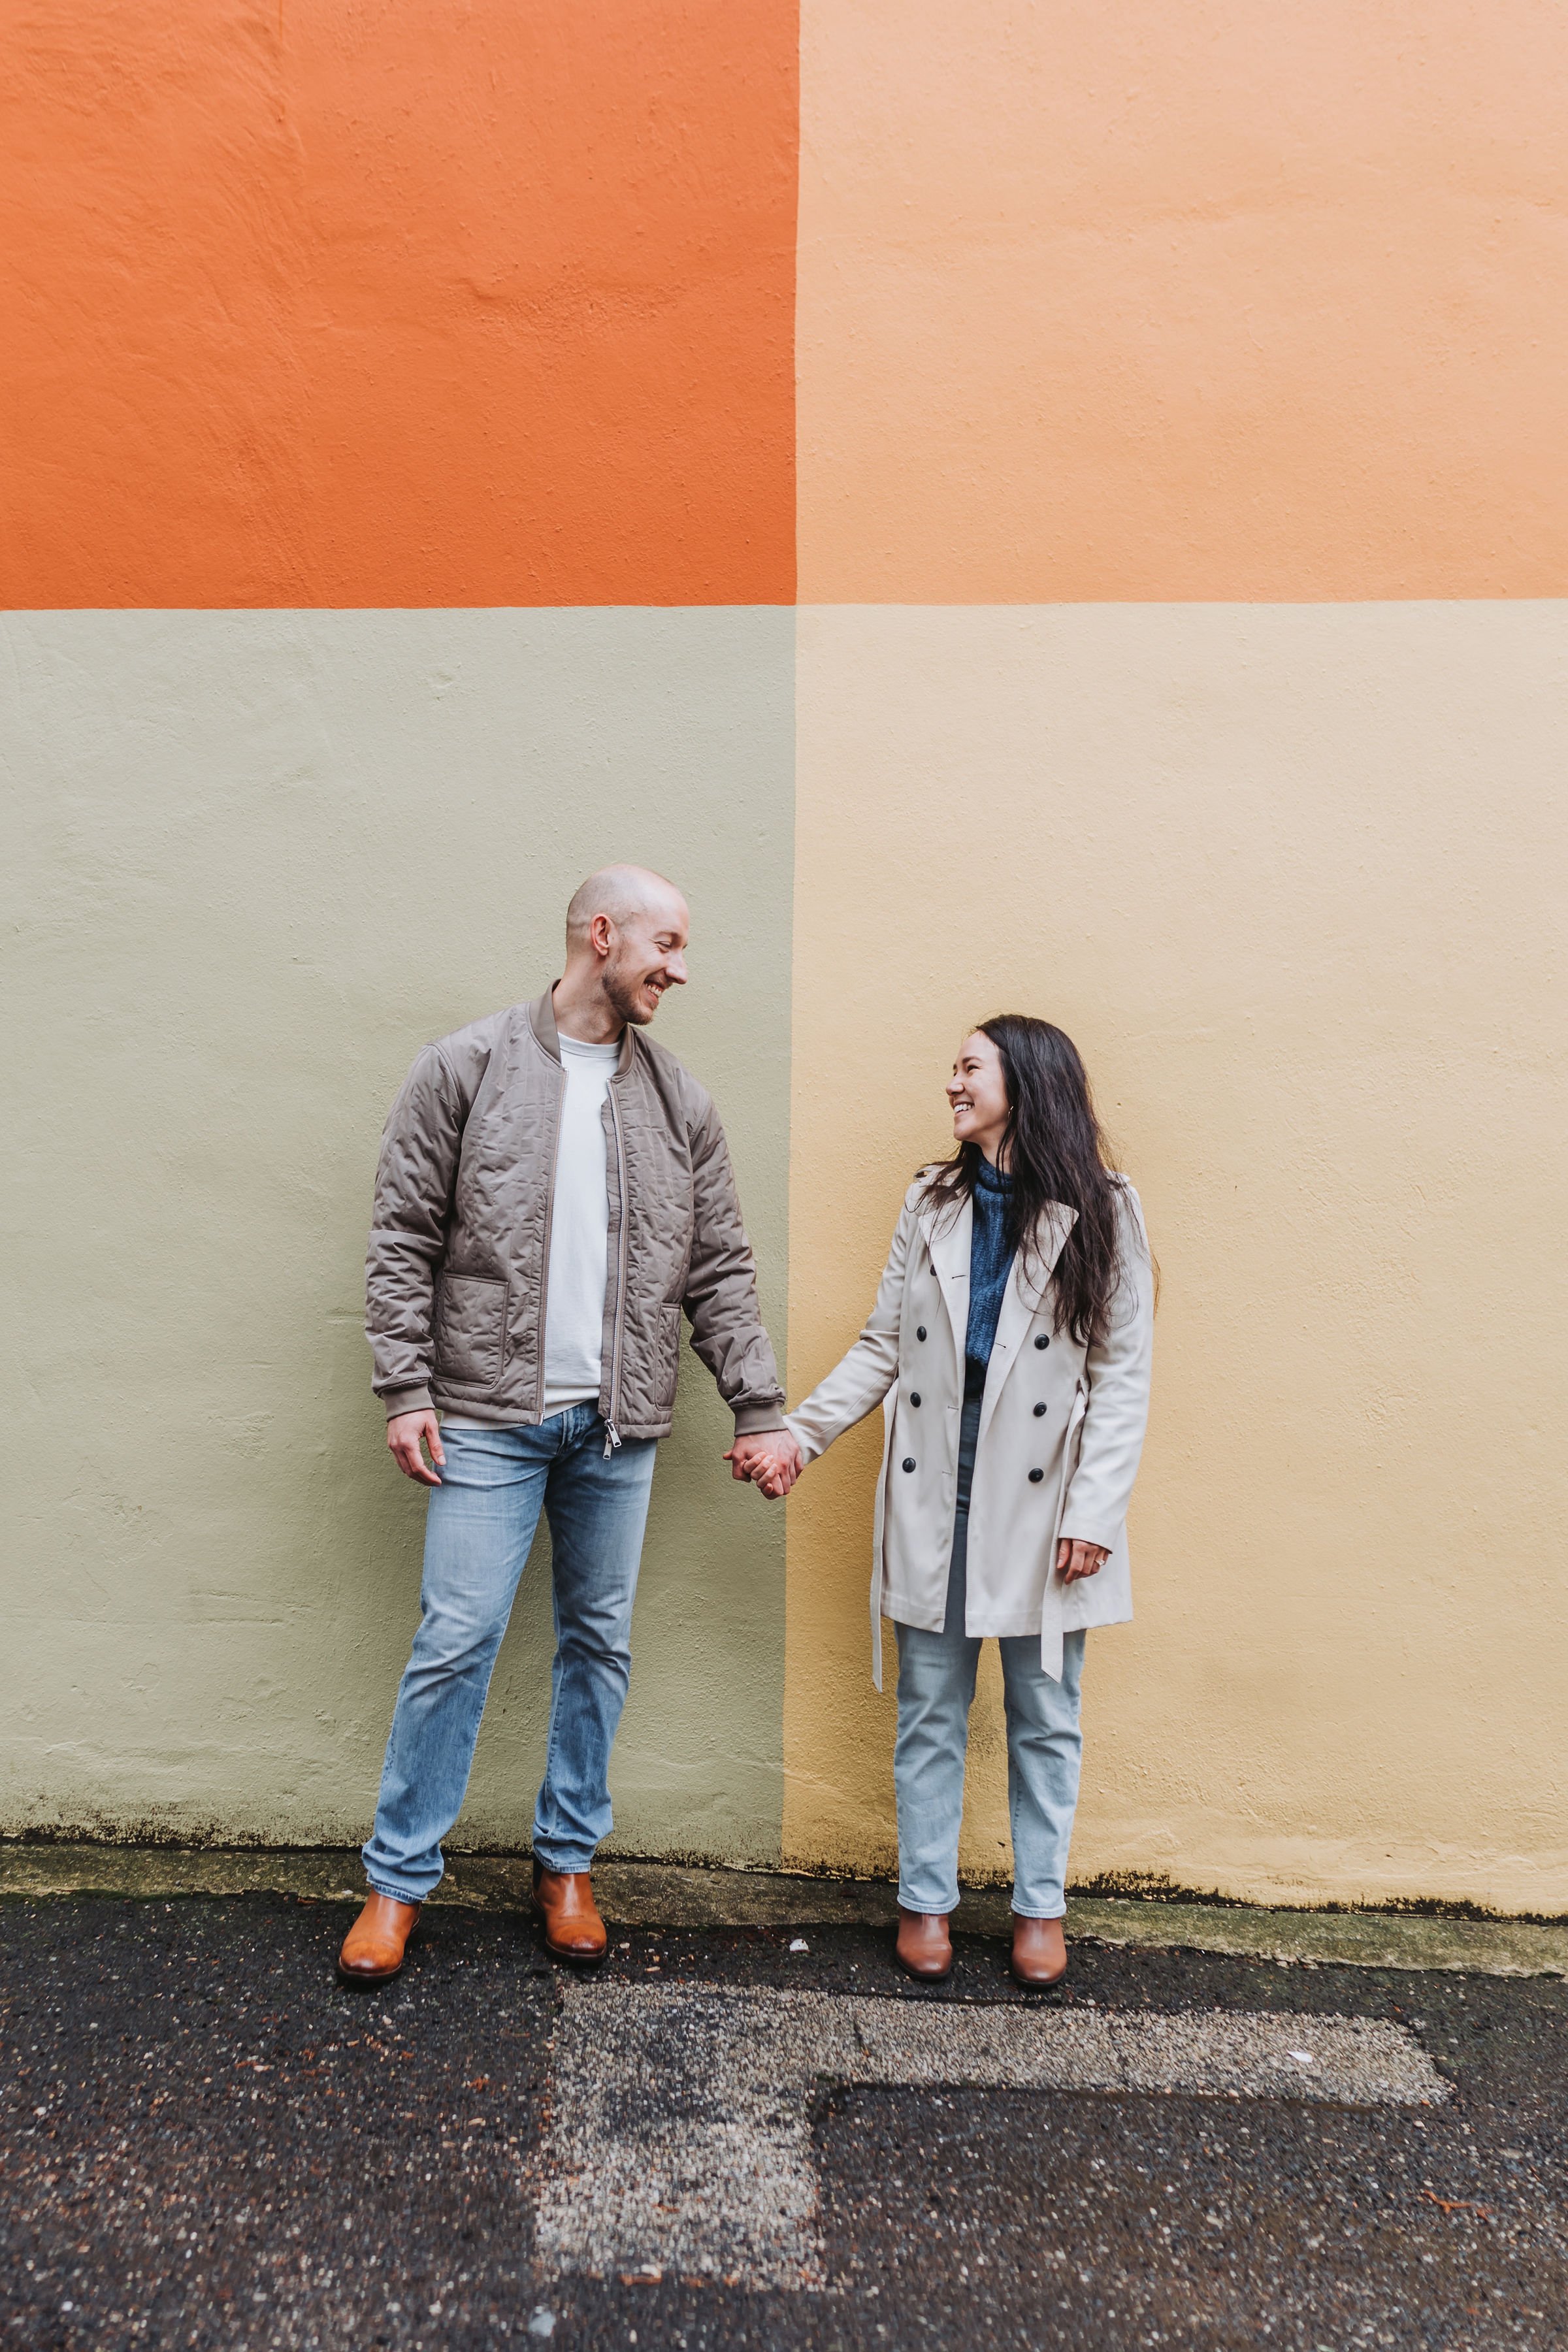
579	1235
579	1231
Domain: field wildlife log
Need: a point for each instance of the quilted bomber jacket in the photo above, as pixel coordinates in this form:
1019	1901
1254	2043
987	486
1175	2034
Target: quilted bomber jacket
457	1265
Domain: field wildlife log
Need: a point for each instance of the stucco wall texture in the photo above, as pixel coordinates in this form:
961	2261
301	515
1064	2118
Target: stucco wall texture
424	421
260	859
1252	858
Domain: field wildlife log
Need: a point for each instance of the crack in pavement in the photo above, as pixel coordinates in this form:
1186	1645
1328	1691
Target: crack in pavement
679	2132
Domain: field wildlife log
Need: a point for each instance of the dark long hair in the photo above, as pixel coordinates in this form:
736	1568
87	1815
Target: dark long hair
1052	1149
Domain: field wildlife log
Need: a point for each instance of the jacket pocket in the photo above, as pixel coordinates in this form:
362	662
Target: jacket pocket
470	1328
670	1355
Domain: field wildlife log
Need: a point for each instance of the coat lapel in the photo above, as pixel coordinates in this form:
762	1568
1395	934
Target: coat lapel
1022	1301
948	1242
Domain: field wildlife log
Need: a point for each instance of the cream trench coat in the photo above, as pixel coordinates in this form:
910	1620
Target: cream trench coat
1061	1429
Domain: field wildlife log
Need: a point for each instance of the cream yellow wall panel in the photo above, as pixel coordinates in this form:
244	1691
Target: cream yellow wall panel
1292	876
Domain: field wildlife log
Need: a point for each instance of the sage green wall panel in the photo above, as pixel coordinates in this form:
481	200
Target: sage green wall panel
255	860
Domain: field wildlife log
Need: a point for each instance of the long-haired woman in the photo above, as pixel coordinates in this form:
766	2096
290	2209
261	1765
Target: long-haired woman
1009	1348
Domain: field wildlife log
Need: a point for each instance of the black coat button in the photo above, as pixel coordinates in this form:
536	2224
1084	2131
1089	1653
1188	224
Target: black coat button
1041	1342
908	1461
1035	1476
1038	1410
919	1330
915	1399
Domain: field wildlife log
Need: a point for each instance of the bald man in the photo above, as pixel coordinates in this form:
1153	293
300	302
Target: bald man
553	1189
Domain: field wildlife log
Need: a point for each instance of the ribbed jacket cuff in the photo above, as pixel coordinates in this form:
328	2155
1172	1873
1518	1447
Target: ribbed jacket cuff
756	1419
416	1400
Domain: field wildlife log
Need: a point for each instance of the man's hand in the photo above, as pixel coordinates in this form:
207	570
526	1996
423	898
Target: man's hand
406	1434
1075	1559
770	1459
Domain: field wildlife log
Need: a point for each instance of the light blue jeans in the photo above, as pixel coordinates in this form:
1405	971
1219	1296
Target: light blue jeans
936	1686
480	1524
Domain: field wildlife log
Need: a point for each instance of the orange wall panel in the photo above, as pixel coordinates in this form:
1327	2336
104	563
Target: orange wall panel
391	302
1197	302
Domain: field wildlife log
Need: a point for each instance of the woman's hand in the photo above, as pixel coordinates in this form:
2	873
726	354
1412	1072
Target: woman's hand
775	1478
1075	1559
770	1460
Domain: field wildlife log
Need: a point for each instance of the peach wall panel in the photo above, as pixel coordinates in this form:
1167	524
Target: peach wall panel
1208	303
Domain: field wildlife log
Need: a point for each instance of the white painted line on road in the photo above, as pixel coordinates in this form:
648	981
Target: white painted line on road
680	2134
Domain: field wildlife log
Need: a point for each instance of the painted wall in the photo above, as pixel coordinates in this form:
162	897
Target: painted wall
424	421
1217	301
404	396
1172	383
1252	859
261	857
401	303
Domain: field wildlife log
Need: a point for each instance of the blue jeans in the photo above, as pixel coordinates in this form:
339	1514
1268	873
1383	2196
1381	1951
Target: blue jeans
480	1525
936	1686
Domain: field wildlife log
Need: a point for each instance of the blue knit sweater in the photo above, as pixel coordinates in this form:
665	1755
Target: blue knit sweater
990	1262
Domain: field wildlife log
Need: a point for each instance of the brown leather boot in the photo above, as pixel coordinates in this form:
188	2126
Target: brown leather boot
1039	1951
373	1949
924	1947
572	1927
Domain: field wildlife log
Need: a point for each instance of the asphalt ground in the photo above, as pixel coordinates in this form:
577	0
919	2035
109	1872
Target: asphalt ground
206	2141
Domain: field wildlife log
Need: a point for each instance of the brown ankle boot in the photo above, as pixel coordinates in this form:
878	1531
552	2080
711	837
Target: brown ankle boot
924	1947
572	1927
373	1949
1039	1951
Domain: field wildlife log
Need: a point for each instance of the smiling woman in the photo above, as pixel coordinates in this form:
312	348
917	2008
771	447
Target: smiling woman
1009	1350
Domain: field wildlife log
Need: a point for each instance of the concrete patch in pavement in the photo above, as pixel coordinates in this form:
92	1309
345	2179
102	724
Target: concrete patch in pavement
679	2139
239	2153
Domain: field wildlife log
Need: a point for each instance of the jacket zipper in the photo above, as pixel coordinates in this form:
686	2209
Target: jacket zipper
612	1434
544	1268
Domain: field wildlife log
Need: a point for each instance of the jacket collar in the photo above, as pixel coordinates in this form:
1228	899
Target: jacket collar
541	1021
948	1240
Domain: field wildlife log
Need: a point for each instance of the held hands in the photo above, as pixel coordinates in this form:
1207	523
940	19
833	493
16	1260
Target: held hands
770	1459
1075	1559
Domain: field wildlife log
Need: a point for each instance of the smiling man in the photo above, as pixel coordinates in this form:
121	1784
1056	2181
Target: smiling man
553	1189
